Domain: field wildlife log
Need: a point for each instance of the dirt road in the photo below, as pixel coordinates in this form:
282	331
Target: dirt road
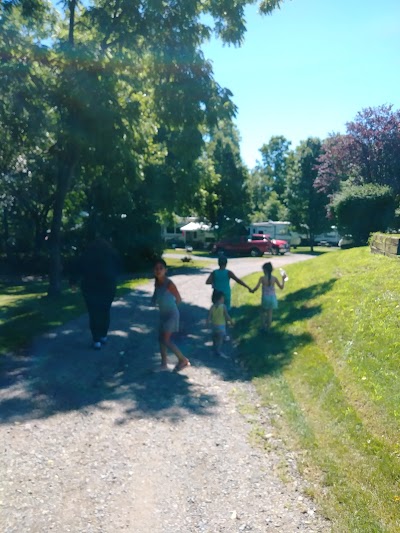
99	442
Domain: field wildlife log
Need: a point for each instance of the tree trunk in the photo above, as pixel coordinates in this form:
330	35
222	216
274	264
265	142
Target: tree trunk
65	174
312	241
66	166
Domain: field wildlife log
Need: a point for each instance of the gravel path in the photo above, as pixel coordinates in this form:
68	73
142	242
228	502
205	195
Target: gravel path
99	442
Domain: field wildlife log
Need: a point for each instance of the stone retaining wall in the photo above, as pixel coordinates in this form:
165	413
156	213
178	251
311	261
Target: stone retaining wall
385	244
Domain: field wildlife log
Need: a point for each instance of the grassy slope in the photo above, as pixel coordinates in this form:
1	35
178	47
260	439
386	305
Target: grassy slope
331	365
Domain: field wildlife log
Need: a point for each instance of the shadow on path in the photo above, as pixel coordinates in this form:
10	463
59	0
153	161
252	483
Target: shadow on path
62	373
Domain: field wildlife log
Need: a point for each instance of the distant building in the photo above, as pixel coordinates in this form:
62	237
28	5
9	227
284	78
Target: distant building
188	231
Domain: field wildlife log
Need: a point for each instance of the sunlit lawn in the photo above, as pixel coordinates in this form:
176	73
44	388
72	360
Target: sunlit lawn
330	370
317	250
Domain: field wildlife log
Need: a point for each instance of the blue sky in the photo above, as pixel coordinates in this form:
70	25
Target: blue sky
308	68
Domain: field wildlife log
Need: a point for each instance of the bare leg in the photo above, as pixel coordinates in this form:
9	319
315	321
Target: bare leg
214	339
266	319
165	342
163	351
269	318
219	339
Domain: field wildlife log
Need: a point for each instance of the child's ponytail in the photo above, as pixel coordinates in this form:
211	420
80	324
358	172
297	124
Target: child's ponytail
267	268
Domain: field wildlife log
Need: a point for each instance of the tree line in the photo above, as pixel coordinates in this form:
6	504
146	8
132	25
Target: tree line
350	180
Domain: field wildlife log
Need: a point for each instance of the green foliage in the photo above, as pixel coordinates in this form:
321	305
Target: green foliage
226	202
329	372
363	209
274	163
306	205
267	182
273	209
106	108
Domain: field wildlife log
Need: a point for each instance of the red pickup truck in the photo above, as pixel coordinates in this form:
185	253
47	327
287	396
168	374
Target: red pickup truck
256	245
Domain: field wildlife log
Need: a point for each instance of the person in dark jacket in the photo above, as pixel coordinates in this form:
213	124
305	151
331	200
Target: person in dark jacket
98	269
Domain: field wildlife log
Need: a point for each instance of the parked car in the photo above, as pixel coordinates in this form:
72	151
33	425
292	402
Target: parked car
256	245
346	242
328	238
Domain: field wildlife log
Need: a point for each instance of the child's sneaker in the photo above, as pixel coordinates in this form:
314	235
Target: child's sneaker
103	340
97	345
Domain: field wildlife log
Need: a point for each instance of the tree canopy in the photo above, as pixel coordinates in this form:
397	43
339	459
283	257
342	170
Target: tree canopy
369	152
106	109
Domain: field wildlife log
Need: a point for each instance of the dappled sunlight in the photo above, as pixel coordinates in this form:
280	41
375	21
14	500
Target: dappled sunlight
67	332
118	333
120	303
50	335
65	374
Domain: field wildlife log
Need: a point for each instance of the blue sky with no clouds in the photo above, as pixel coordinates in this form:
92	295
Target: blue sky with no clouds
308	68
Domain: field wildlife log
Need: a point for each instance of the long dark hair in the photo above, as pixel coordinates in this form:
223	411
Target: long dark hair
267	268
159	261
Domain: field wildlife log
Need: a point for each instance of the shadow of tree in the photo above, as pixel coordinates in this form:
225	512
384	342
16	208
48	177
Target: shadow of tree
61	373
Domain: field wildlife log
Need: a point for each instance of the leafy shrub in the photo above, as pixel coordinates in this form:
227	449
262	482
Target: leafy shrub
363	209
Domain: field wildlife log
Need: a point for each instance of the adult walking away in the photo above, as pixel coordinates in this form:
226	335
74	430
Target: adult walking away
166	296
98	269
220	279
269	301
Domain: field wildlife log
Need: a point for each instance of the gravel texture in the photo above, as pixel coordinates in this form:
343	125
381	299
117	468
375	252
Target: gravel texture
99	442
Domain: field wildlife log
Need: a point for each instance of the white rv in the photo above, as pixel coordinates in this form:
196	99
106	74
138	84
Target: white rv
276	230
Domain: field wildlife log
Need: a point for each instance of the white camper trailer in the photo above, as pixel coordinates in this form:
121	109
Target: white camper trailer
276	230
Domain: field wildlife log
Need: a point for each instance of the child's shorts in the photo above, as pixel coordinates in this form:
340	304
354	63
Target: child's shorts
219	330
269	302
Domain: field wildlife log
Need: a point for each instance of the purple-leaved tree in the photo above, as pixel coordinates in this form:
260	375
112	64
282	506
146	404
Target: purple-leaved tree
369	152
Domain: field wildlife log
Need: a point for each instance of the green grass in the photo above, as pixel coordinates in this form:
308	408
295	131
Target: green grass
176	263
330	368
318	250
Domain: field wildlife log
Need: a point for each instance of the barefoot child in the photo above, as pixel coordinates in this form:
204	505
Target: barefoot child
268	298
167	298
218	317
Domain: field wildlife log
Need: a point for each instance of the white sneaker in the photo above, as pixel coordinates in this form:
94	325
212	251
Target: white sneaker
97	345
103	340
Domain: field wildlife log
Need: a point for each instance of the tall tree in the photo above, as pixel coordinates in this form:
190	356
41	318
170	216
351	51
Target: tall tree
369	152
267	181
274	161
306	205
110	56
27	127
227	202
